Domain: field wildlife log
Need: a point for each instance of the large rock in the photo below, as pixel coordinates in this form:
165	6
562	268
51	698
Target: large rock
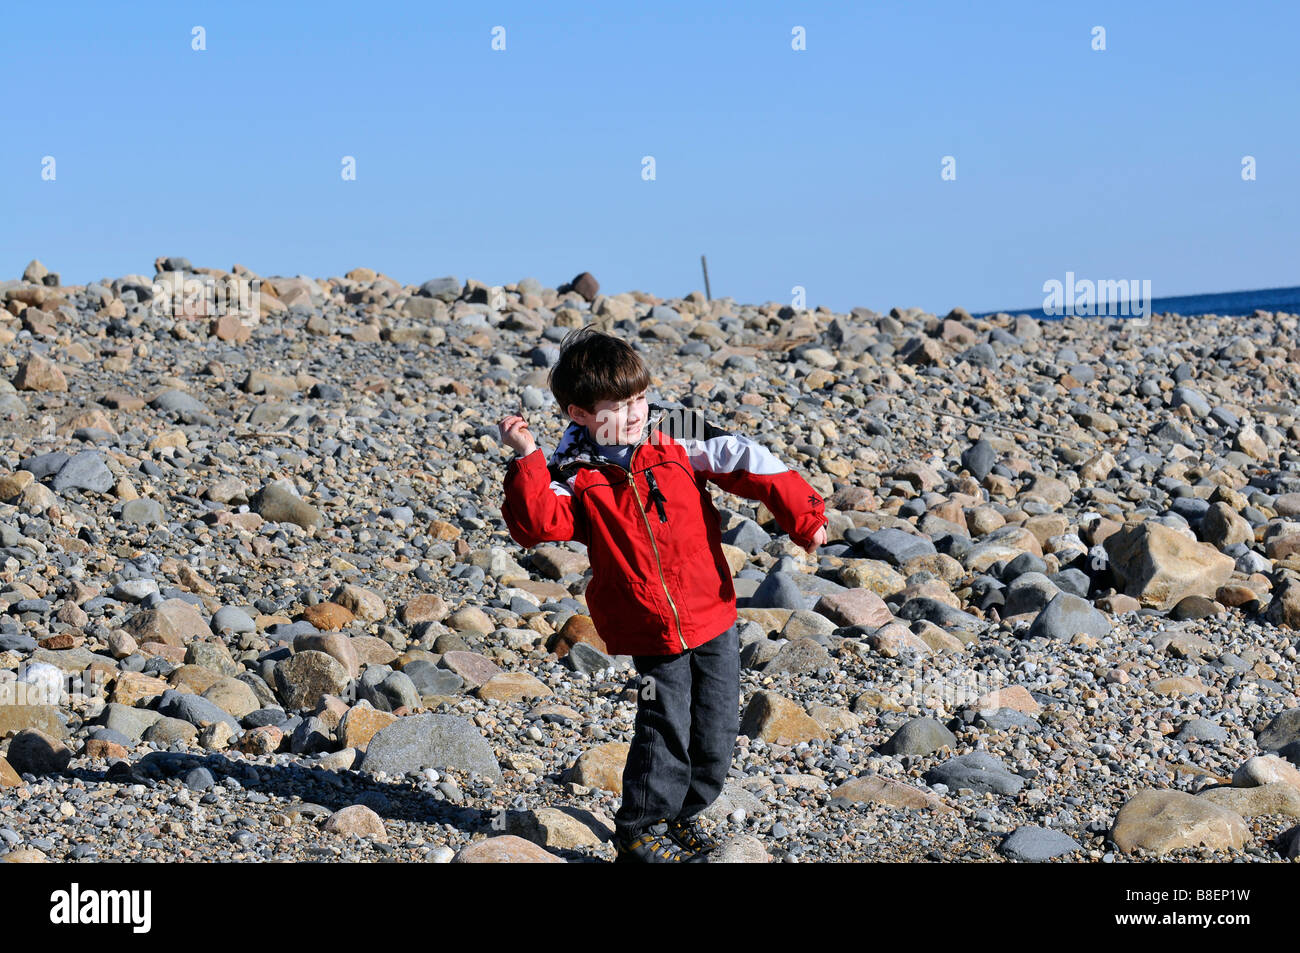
416	742
1281	731
854	607
1275	798
874	789
1067	616
979	771
39	373
601	767
305	677
172	622
513	687
776	719
505	849
359	820
366	604
15	718
1033	843
1159	566
1161	821
920	736
1284	608
278	505
32	751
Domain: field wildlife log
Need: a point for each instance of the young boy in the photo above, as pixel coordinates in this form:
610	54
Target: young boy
629	480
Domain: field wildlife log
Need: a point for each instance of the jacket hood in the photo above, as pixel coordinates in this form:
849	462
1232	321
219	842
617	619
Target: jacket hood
577	447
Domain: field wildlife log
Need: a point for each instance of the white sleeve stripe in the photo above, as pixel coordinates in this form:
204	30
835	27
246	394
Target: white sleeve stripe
731	453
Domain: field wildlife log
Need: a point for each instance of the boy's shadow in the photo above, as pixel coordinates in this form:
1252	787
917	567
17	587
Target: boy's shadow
400	800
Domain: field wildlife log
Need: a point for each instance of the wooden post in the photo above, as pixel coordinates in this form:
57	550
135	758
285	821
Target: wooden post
704	263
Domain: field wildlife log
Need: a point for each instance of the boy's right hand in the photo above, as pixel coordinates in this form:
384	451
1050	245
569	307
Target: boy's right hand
515	435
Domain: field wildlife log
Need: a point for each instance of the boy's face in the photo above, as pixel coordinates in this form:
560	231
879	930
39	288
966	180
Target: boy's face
614	421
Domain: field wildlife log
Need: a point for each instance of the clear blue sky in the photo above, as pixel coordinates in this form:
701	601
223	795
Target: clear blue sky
819	168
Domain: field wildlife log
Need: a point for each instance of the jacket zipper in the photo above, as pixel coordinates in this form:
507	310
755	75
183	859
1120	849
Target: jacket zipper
653	545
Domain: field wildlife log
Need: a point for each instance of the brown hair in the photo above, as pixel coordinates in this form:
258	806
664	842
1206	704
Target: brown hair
594	366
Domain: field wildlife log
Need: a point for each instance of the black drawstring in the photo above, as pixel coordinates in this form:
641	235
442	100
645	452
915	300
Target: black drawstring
657	496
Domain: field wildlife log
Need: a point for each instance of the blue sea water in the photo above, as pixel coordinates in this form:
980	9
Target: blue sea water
1225	304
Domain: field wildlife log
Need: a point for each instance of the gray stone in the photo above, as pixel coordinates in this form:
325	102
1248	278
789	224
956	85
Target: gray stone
979	771
799	656
127	721
197	710
1033	843
586	658
84	471
416	742
920	736
1066	616
778	591
895	546
276	504
143	512
1281	731
232	619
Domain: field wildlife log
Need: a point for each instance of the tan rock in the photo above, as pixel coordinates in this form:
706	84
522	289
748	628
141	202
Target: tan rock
1159	565
776	719
1275	798
601	767
366	604
361	723
328	616
426	607
1161	821
874	789
512	687
505	849
40	373
173	622
131	687
359	820
854	607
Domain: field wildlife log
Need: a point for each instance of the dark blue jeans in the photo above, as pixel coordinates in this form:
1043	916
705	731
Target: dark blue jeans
687	720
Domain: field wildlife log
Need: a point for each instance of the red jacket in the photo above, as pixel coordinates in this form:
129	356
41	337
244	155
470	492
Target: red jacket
659	581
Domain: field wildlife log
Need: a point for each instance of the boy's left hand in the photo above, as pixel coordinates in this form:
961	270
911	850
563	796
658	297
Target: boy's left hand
818	540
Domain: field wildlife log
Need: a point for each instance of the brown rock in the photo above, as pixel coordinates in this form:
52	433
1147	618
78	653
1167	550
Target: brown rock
1158	565
873	789
361	723
366	604
586	285
854	607
131	687
8	776
601	767
1162	821
32	751
504	849
173	622
40	373
334	644
475	669
357	819
328	616
103	750
513	687
426	607
776	719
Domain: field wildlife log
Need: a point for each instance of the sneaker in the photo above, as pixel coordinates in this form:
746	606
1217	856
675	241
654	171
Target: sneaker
653	846
690	836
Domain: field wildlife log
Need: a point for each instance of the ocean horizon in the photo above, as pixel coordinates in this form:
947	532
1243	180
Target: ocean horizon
1224	304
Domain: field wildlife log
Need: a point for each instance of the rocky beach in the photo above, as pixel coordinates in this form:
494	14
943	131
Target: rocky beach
257	601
